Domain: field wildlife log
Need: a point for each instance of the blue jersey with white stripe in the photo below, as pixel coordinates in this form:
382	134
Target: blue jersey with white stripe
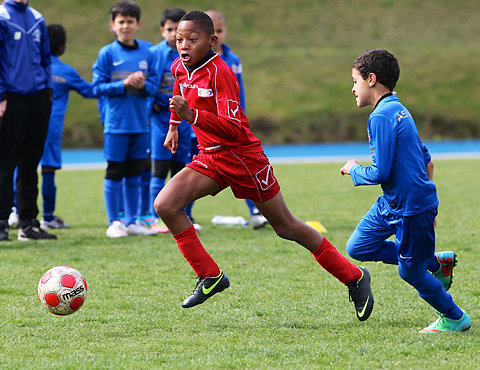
125	109
399	160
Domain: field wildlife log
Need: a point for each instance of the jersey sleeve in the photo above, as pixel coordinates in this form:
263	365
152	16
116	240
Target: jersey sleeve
78	84
228	122
382	143
426	155
102	86
174	117
45	54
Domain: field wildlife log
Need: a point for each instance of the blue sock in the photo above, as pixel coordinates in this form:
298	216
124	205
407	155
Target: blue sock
132	198
112	191
252	207
15	188
145	196
49	193
188	210
156	185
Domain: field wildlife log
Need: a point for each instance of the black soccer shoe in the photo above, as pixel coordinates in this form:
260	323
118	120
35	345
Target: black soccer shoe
4	231
205	288
360	293
34	232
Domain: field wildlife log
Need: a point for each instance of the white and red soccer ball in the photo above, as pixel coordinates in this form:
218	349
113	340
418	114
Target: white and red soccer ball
62	290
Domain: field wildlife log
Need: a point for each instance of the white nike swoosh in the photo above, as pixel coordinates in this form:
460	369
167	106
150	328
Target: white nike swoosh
117	63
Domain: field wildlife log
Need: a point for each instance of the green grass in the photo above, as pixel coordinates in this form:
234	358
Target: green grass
297	58
281	311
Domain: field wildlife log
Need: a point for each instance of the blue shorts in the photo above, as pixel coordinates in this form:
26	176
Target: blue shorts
159	133
414	235
119	147
52	152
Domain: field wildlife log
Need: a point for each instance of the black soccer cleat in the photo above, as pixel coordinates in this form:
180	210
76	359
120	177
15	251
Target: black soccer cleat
205	288
34	232
360	293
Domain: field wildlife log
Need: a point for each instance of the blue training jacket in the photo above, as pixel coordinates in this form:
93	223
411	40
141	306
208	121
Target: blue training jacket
233	62
399	161
124	111
24	50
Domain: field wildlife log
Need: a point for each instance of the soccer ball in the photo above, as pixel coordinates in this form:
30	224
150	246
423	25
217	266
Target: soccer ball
62	290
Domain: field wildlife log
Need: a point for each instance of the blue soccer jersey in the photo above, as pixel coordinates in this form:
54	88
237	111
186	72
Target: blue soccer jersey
399	161
65	78
233	61
125	109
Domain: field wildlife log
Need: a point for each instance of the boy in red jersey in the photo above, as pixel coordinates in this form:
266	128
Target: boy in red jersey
206	94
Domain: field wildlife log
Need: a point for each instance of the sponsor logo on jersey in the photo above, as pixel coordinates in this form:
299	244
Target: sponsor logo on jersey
205	93
265	177
59	79
143	64
402	115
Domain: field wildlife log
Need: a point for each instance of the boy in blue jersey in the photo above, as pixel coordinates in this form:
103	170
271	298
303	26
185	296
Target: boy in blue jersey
163	160
402	165
64	79
25	104
124	76
233	61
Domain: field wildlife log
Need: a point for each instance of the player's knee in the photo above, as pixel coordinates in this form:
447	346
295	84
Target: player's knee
134	167
353	250
115	171
161	168
409	275
162	206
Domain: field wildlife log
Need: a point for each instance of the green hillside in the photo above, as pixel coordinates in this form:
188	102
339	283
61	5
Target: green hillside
297	58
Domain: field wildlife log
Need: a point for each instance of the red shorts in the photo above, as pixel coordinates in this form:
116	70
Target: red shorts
249	175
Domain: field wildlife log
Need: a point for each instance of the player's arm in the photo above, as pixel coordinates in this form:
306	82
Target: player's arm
78	84
428	162
46	60
383	142
102	86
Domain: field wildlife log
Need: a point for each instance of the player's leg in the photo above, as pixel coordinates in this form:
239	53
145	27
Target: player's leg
416	238
287	226
38	106
115	152
187	186
136	155
368	241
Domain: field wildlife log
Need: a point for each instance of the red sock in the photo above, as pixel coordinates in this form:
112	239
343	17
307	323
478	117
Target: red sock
336	264
193	251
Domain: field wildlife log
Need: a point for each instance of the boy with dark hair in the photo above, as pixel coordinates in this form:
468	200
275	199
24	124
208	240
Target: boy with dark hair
402	165
124	75
163	160
25	104
233	61
65	78
206	95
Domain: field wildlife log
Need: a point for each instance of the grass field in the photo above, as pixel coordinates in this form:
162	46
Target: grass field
282	309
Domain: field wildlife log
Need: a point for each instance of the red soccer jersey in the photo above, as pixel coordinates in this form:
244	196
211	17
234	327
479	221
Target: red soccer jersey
212	92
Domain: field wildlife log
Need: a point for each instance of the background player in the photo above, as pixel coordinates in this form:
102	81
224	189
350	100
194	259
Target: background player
407	209
64	79
124	75
206	95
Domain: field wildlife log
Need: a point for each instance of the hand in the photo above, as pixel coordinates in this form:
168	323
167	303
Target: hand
3	107
171	140
345	170
136	80
180	105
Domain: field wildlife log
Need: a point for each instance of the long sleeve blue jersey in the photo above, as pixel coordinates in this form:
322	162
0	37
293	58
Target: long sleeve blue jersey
65	78
233	61
125	110
25	64
399	160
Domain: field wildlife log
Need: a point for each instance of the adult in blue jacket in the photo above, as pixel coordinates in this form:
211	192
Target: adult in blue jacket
65	78
26	99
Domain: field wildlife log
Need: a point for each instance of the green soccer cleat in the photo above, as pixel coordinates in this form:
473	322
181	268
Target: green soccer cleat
447	260
205	288
445	324
360	293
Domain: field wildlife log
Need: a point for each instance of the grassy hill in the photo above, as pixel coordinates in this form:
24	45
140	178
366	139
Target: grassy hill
297	57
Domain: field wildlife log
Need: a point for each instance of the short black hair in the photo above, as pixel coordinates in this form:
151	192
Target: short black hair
125	8
202	19
381	63
172	14
58	38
